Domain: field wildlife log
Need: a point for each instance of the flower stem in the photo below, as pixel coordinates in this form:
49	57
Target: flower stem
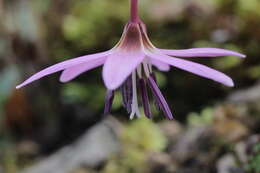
134	11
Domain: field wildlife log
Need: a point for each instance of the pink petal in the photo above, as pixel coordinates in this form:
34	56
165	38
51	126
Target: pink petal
201	52
74	71
119	66
193	67
63	65
160	65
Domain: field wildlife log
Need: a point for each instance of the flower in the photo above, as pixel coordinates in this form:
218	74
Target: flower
129	66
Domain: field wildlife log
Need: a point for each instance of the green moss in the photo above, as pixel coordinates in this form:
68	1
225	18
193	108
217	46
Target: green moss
139	138
145	135
202	118
254	160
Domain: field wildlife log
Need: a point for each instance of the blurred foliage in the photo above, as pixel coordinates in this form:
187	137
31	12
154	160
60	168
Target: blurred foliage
246	8
10	160
35	34
74	92
9	77
86	27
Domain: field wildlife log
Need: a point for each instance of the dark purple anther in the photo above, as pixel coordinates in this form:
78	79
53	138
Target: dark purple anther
145	98
108	102
123	92
159	98
127	94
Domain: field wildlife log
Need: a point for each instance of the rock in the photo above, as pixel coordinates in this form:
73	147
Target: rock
251	142
227	164
251	94
93	148
229	124
82	170
172	130
194	143
160	162
27	148
240	149
244	149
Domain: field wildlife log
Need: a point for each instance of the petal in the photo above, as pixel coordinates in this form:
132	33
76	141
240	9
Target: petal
63	65
160	65
201	52
193	67
74	71
119	66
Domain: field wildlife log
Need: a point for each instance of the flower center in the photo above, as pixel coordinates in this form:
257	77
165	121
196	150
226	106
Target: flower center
135	89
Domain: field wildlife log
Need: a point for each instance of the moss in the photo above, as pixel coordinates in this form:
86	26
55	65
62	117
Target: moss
253	164
139	138
202	118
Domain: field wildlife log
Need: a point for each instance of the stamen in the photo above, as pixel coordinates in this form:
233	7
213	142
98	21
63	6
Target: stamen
155	101
146	68
150	67
135	108
139	71
154	77
160	99
127	94
123	92
145	99
108	101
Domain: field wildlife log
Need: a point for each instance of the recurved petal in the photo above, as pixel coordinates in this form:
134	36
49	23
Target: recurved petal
160	65
63	65
201	52
74	71
119	66
193	67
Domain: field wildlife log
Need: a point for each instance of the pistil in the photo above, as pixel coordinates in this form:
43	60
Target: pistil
135	107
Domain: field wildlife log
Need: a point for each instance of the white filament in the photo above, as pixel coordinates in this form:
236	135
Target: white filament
150	67
139	71
146	68
135	108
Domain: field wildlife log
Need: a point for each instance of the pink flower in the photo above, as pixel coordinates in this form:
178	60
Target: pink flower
129	66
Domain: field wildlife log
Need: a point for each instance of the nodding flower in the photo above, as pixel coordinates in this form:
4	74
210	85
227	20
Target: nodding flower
129	67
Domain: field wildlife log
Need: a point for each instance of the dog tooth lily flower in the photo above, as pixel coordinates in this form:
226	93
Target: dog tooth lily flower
129	66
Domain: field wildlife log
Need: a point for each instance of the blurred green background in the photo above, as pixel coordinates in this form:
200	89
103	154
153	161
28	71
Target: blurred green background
216	129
